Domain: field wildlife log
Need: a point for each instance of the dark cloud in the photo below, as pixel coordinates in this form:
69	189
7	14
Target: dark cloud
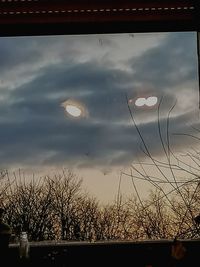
17	51
35	128
173	62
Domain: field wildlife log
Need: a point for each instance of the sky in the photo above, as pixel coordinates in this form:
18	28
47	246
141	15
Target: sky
102	75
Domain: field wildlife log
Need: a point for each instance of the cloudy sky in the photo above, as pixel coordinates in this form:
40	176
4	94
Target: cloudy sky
102	75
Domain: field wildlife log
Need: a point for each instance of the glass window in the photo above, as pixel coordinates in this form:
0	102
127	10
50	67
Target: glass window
111	120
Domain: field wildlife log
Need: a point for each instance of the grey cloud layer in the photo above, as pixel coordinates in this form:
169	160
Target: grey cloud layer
34	128
172	63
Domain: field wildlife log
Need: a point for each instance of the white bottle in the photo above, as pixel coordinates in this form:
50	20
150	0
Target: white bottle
23	246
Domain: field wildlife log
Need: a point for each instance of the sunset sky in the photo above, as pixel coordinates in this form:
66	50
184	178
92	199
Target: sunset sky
39	76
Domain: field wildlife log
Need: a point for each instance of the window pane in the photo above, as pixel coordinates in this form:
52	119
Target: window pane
120	111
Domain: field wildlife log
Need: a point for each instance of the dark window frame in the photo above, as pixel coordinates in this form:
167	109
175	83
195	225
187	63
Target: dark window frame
52	17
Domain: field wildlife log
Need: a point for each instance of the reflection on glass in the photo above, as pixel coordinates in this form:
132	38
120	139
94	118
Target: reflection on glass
140	102
74	108
151	101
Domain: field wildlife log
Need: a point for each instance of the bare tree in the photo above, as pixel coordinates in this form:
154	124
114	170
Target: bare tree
28	207
172	174
66	191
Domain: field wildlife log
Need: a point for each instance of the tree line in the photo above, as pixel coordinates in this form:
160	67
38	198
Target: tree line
56	208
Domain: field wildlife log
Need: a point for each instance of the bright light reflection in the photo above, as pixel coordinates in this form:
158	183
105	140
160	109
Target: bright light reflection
151	101
73	110
140	102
